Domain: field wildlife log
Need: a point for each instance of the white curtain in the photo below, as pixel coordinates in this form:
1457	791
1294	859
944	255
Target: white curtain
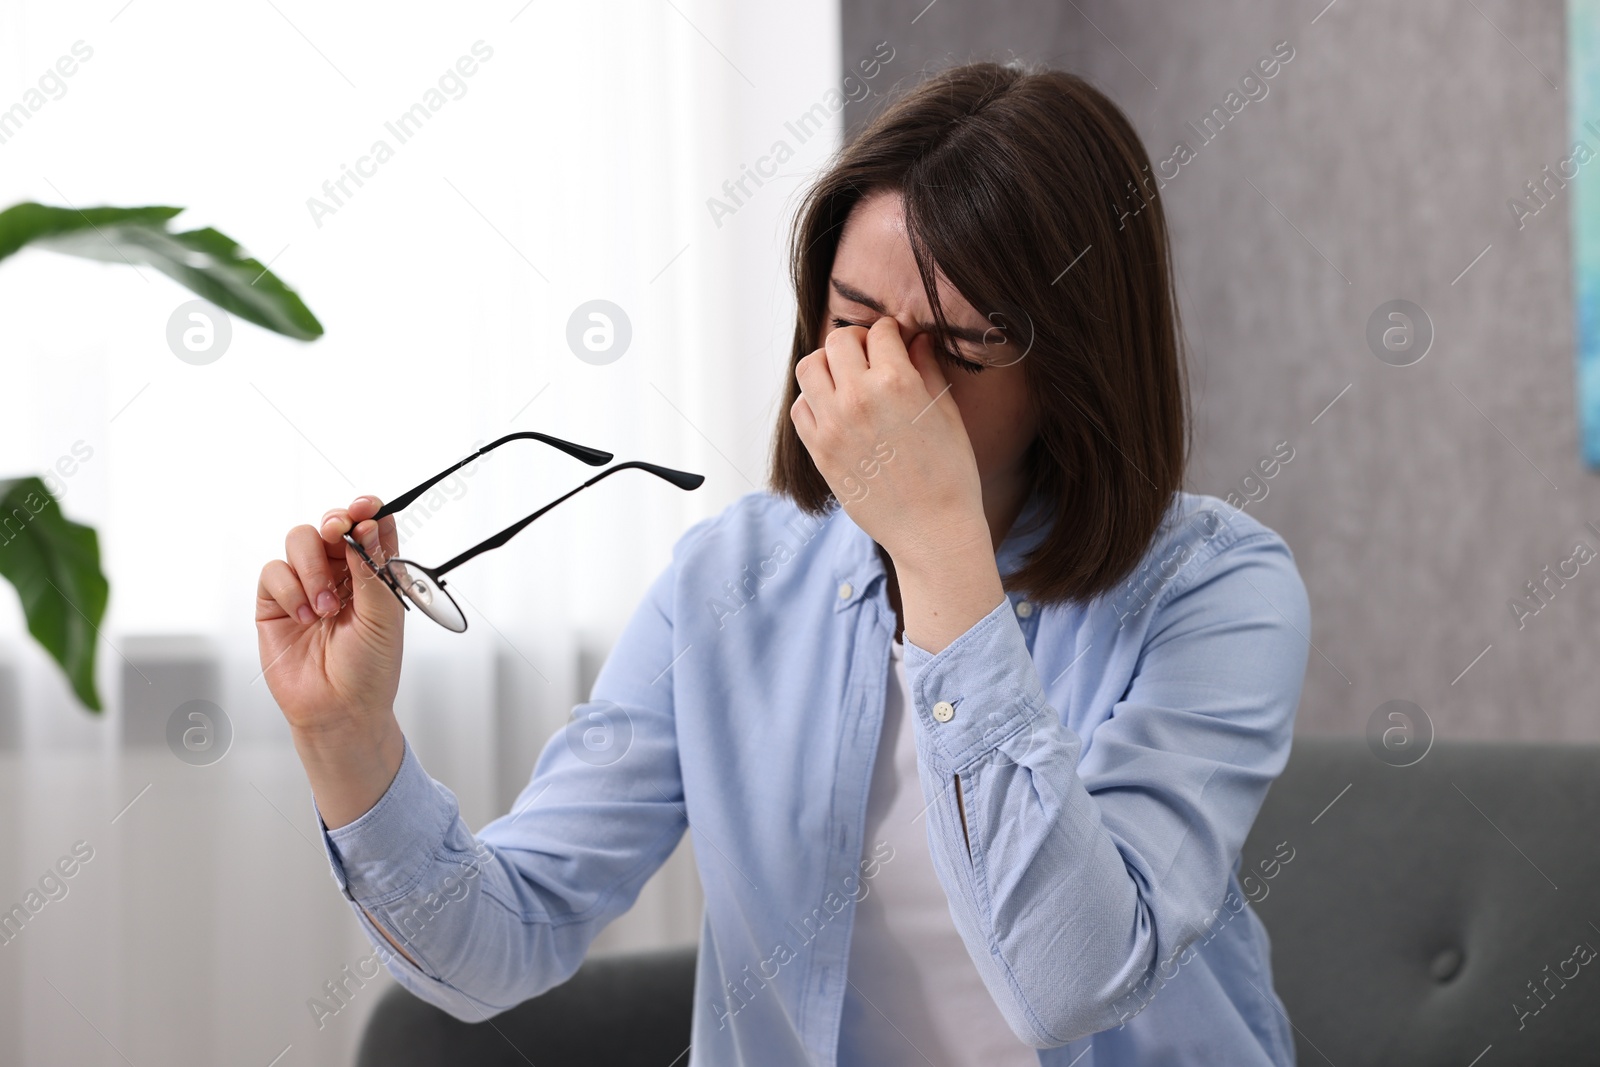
573	163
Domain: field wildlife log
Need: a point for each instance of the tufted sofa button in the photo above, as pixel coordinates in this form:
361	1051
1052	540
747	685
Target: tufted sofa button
1446	965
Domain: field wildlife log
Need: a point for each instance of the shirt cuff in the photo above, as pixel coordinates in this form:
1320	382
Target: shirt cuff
383	854
988	679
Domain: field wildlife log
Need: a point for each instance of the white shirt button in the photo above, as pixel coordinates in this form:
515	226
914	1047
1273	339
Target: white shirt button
1024	609
844	590
944	711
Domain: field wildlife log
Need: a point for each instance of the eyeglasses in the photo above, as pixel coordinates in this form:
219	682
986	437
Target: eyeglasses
424	587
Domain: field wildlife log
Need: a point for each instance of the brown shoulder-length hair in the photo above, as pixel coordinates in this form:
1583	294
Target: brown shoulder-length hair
1030	192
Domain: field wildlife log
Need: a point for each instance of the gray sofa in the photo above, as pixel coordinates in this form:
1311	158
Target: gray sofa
1420	915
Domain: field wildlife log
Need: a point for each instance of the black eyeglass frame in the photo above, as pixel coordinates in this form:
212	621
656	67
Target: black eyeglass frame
592	456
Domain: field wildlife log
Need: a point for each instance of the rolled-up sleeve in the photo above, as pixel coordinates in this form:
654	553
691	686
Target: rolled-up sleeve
500	916
1070	879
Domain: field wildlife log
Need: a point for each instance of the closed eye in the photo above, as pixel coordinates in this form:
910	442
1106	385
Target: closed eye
965	364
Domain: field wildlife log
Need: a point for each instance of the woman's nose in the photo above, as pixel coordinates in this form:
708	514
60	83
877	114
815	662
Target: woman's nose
908	332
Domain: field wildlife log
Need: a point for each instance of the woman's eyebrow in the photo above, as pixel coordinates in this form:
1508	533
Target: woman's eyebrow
960	333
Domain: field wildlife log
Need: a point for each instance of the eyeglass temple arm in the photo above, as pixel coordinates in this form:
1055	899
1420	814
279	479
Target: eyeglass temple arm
681	479
592	456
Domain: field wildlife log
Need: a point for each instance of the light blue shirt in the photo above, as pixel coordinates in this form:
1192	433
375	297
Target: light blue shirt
1111	755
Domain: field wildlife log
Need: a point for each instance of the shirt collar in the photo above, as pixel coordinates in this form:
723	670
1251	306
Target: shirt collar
856	565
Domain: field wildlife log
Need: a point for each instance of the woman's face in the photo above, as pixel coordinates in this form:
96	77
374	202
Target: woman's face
875	274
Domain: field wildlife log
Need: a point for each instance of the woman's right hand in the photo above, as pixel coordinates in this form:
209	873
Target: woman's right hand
329	631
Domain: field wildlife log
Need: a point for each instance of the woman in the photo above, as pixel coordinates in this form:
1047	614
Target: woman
968	716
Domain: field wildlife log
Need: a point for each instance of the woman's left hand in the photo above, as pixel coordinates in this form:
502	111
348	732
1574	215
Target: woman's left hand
887	436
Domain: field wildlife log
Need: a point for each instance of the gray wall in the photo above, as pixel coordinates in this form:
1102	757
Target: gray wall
1425	498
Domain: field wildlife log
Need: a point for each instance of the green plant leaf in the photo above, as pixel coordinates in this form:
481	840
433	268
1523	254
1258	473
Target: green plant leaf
205	261
55	565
